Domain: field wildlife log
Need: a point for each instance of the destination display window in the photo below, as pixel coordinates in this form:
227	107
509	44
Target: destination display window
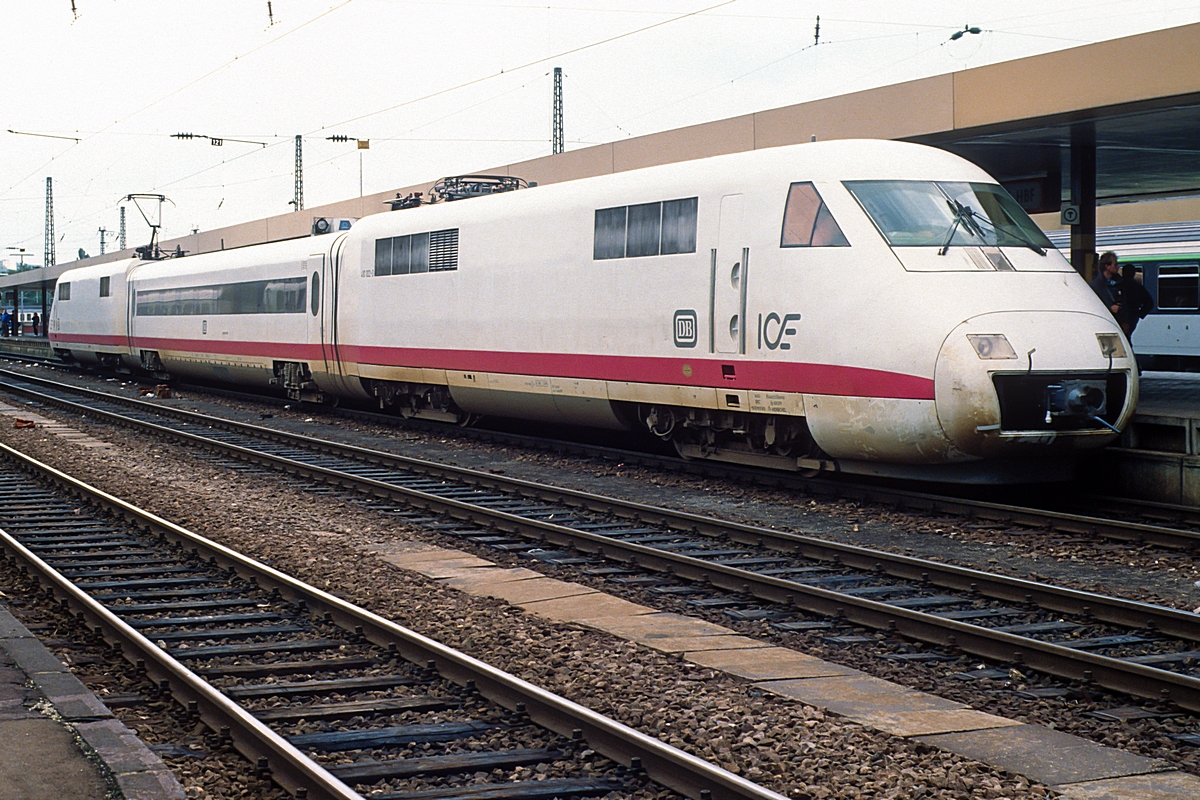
435	251
64	291
647	229
807	221
104	286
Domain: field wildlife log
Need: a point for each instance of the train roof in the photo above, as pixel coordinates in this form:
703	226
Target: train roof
1113	237
843	159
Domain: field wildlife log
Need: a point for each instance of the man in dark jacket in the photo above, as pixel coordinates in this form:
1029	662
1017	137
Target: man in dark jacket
1107	284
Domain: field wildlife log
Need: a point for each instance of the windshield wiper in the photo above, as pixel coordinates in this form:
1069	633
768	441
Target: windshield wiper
963	215
1016	233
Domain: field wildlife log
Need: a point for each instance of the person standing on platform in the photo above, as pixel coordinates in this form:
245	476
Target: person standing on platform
5	321
1107	284
37	322
1137	302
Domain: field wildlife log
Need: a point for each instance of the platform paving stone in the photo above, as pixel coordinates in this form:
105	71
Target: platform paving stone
118	747
585	607
658	624
859	697
1155	786
40	761
685	644
10	628
1078	768
39	756
478	580
70	698
766	663
534	589
923	723
31	655
1045	755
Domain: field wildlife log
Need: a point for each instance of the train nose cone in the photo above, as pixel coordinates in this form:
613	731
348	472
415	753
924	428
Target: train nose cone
1007	382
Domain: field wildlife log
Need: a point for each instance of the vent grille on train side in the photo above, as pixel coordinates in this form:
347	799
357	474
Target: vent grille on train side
443	250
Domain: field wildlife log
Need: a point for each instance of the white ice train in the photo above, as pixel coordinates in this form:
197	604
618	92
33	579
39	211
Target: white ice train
863	306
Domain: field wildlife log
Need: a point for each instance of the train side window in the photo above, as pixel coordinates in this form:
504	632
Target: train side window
807	221
418	256
400	251
64	291
104	286
316	293
679	226
644	233
383	257
1179	287
610	233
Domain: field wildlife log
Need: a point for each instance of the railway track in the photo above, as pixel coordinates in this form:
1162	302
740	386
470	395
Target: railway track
1122	519
296	679
1134	648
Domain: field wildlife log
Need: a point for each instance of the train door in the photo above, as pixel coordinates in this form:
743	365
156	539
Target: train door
316	304
322	313
728	299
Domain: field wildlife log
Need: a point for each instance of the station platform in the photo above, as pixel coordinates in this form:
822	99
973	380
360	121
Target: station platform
1158	456
60	740
29	346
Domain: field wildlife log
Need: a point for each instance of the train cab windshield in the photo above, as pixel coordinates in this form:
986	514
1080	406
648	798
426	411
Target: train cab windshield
946	214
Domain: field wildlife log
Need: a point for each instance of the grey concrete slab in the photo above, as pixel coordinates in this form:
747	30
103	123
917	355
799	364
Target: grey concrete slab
31	656
157	784
70	698
10	628
40	761
1155	786
858	695
766	663
119	748
40	758
1044	755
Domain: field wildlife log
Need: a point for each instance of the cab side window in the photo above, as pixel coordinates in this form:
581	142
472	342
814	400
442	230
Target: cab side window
807	221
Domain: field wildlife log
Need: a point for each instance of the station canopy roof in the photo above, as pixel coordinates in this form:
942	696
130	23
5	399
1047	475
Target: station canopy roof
1141	153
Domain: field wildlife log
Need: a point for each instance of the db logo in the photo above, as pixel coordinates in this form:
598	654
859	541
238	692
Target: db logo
685	328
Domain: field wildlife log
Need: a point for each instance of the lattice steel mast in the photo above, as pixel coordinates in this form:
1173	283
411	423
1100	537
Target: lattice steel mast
556	134
48	257
121	234
298	200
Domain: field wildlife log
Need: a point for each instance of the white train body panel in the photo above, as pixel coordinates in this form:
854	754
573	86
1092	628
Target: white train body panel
865	343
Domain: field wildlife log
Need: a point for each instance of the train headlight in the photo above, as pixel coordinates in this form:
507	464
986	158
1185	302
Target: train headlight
991	345
1110	345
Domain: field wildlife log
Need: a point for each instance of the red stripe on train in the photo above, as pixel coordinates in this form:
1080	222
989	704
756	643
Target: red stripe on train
732	373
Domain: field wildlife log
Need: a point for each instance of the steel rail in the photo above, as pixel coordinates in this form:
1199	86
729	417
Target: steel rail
685	773
900	499
1111	673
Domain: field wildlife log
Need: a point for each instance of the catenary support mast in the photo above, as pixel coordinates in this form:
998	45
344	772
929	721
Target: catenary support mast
556	135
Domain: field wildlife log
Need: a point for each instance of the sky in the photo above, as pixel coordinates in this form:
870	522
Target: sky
95	89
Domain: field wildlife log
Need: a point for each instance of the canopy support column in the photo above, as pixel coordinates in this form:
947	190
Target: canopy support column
1083	197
